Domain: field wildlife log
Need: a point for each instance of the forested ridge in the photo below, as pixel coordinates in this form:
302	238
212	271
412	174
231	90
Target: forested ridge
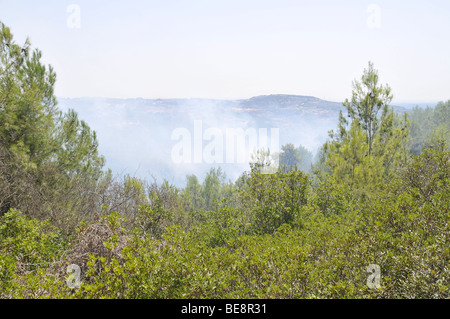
377	193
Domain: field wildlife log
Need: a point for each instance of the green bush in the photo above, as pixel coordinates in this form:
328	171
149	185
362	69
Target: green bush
31	242
27	246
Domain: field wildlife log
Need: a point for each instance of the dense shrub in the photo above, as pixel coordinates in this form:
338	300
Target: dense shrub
265	236
27	247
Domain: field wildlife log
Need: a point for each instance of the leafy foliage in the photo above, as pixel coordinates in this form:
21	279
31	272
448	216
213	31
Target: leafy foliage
294	233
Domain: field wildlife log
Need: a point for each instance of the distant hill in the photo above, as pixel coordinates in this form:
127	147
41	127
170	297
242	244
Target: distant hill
284	101
135	134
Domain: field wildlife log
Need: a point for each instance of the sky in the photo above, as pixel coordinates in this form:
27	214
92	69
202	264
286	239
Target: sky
237	48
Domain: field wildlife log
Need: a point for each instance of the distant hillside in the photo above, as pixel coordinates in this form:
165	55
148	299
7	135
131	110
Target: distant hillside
135	134
289	102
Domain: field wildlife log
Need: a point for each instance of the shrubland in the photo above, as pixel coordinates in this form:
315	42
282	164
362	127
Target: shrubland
378	194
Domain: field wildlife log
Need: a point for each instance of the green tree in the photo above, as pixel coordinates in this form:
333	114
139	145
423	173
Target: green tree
27	110
271	200
212	185
77	147
306	158
429	125
368	99
27	102
193	191
363	151
49	161
290	157
348	158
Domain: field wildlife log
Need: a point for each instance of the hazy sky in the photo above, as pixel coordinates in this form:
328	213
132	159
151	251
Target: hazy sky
237	48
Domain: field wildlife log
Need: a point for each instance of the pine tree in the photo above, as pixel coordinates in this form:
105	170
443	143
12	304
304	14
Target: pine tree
48	159
27	102
368	99
363	151
290	157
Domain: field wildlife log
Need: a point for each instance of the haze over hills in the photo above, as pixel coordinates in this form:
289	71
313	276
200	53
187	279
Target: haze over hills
135	135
